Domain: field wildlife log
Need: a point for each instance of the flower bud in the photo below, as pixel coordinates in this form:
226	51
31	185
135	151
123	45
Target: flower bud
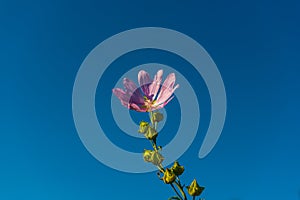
157	158
151	133
194	189
143	127
157	117
177	169
152	156
147	155
169	176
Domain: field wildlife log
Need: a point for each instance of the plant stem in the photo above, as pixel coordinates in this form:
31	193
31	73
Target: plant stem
181	190
176	191
151	118
194	197
161	168
153	145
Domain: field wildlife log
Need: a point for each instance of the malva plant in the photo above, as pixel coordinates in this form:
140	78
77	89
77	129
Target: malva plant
150	97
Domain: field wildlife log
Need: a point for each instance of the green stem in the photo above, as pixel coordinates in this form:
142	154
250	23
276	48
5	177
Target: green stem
151	118
153	126
181	190
153	145
176	191
161	168
194	197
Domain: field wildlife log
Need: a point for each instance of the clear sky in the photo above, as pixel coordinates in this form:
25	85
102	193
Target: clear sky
255	45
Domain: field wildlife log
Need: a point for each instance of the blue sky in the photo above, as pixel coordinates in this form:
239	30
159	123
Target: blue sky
254	44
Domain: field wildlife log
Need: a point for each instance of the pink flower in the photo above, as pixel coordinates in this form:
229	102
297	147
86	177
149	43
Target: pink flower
151	95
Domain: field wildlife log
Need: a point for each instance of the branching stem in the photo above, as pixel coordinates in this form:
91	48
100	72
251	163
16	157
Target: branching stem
176	191
181	190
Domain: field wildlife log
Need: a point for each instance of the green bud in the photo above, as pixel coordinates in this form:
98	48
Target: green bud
143	127
151	133
157	158
152	156
169	176
177	169
147	155
194	189
157	117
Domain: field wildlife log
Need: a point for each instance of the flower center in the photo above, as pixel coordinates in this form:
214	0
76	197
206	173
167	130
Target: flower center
148	103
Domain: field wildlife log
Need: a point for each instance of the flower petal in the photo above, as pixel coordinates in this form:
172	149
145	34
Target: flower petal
121	94
155	85
156	106
144	81
136	97
135	107
166	94
170	80
129	85
167	89
133	92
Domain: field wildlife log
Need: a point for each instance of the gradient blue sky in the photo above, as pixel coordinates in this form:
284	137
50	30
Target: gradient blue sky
255	45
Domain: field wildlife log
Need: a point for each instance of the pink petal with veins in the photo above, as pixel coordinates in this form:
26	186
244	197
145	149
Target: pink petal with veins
167	89
155	85
129	85
164	104
133	92
144	81
121	95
